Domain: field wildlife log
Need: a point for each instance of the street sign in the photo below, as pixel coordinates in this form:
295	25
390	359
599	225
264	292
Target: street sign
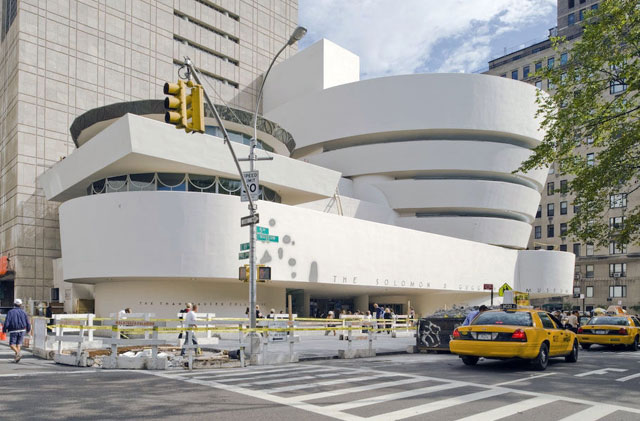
503	288
262	230
273	238
243	255
488	287
251	177
244	246
248	220
262	237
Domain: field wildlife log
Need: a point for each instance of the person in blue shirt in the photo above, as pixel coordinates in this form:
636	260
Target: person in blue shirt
473	315
16	325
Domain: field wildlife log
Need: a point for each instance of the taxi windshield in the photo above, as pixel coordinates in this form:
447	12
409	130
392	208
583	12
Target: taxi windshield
616	321
512	318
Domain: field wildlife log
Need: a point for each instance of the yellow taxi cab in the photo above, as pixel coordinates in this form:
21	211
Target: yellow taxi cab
619	329
514	333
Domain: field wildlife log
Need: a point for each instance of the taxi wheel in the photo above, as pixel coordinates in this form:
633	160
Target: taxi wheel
585	346
573	357
468	360
634	346
542	360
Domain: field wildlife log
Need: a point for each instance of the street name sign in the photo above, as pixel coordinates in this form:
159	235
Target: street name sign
262	230
273	238
248	220
251	177
243	255
262	237
244	246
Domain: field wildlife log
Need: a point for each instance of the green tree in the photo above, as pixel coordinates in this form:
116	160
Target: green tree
595	108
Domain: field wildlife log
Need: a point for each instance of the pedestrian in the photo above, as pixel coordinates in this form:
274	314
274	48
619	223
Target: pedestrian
367	322
474	314
573	322
16	325
272	314
122	314
329	325
387	316
258	314
183	312
378	313
412	316
191	322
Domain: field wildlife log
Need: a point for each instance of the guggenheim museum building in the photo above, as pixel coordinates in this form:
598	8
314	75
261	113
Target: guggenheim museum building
398	190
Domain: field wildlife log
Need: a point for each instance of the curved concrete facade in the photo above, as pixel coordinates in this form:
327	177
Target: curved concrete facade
440	144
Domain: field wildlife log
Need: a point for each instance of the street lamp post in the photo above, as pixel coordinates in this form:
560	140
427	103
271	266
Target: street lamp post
298	33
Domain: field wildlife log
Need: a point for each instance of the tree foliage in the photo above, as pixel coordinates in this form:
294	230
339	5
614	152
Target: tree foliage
595	108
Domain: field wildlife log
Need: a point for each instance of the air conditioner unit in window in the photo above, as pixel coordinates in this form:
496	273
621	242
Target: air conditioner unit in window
616	274
576	276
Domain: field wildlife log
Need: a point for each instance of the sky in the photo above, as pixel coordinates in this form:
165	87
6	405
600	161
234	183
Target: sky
394	37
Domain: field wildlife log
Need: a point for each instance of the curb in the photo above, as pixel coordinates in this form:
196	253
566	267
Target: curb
335	357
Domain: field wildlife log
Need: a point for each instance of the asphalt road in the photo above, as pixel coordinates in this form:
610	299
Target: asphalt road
604	384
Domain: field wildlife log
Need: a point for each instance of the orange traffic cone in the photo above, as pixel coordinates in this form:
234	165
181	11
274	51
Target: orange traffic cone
3	336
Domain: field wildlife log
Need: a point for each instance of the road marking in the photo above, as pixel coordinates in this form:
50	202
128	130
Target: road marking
601	371
365	388
244	372
37	373
509	410
624	379
438	405
327	383
259	375
386	398
591	414
524	379
279	380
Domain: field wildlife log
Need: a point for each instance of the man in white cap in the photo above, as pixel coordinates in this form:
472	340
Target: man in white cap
16	325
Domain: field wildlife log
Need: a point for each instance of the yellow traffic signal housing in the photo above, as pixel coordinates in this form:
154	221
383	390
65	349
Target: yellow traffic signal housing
264	273
184	105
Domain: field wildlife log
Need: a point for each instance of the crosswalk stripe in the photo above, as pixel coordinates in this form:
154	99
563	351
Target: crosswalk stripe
591	414
624	379
320	395
327	383
392	396
258	376
435	406
278	380
245	372
508	410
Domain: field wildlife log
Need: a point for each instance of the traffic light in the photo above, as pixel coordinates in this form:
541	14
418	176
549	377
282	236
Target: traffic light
184	105
176	104
264	273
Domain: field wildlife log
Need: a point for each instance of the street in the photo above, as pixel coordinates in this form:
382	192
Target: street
602	385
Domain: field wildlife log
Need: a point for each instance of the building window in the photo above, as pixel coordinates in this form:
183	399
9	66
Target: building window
514	74
563	208
617	270
576	209
594	6
617	86
503	75
581	14
617	248
564	186
563	229
539	84
618	201
550	85
537	232
550	210
572	3
576	249
616	222
563	247
589	271
571	19
550	189
589	251
550	232
536	247
550	62
564	57
538	66
525	72
589	292
583	1
539	213
9	12
550	248
590	140
617	291
590	159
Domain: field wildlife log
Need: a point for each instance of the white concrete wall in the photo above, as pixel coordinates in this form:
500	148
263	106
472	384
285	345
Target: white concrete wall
190	236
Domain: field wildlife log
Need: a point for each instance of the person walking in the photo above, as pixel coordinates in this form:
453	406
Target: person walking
379	314
330	316
474	314
190	321
572	322
387	316
16	325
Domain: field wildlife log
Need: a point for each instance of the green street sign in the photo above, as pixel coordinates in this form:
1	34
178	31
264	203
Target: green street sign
262	230
273	238
243	255
262	237
244	246
503	288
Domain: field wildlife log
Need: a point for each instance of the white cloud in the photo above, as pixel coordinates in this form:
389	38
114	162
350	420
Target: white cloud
406	36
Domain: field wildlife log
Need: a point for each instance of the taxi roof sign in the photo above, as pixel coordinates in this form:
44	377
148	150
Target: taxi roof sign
503	288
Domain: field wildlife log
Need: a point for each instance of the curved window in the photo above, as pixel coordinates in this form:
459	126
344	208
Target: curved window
236	137
175	182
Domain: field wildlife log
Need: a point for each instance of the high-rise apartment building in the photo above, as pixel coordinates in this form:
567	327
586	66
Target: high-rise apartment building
60	58
605	276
